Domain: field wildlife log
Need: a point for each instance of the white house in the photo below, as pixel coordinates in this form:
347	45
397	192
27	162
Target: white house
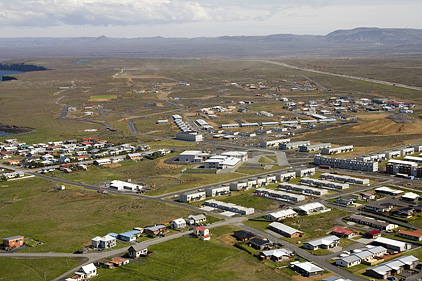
87	271
178	223
105	242
121	185
137	250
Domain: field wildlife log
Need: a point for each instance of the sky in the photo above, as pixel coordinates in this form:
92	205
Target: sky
200	18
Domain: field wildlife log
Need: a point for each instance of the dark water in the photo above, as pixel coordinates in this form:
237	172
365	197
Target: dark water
2	133
8	72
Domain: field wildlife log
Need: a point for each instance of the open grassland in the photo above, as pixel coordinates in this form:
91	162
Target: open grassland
250	201
66	220
191	259
34	269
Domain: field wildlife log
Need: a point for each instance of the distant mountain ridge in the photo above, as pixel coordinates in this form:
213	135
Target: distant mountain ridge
361	41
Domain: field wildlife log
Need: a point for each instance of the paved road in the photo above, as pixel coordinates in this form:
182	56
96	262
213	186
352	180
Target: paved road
318	260
345	76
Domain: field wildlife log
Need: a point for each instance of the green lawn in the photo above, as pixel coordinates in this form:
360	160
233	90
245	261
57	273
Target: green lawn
66	220
191	259
35	269
250	201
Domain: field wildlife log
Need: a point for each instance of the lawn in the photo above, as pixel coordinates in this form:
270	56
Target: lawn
35	269
66	220
191	259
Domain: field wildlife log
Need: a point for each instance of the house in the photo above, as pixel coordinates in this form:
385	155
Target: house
285	230
277	255
368	195
121	185
196	219
243	235
327	242
134	156
118	261
129	235
346	201
372	222
13	242
344	233
260	244
411	234
178	223
373	234
406	212
392	267
281	215
410	197
306	269
311	208
202	232
391	244
155	230
87	271
348	261
101	162
378	208
371	255
137	250
105	242
217	190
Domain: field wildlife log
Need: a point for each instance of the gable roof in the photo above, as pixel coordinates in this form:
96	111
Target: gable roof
244	234
88	268
138	247
343	231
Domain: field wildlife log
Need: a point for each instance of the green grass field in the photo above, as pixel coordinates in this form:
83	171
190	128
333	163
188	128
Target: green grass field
103	97
191	259
66	220
35	269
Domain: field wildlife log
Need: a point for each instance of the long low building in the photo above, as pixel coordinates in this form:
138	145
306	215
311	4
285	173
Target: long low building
285	230
121	185
285	176
273	143
279	195
314	147
337	150
281	215
229	207
217	190
192	196
293	145
324	183
311	208
392	267
368	256
392	244
327	242
344	178
372	222
345	163
302	189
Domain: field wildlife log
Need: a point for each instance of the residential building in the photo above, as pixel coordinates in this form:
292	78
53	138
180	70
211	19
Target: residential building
392	244
121	185
293	145
202	232
343	178
285	176
373	234
285	230
378	208
196	219
302	189
389	191
306	269
277	255
243	235
87	271
105	242
13	242
137	250
189	136
305	172
281	195
314	147
327	242
324	183
129	236
311	208
192	196
260	243
410	197
371	255
281	215
178	223
392	267
411	234
229	207
155	230
337	150
273	143
345	163
344	233
372	222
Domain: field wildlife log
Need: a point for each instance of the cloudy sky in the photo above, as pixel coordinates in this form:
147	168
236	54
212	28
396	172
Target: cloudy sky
195	18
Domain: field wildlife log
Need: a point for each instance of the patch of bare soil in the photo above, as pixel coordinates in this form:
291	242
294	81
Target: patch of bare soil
161	165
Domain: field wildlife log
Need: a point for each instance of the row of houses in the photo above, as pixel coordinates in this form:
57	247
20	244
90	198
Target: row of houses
280	195
344	178
382	225
397	152
372	255
229	207
393	267
345	163
324	183
225	189
302	189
